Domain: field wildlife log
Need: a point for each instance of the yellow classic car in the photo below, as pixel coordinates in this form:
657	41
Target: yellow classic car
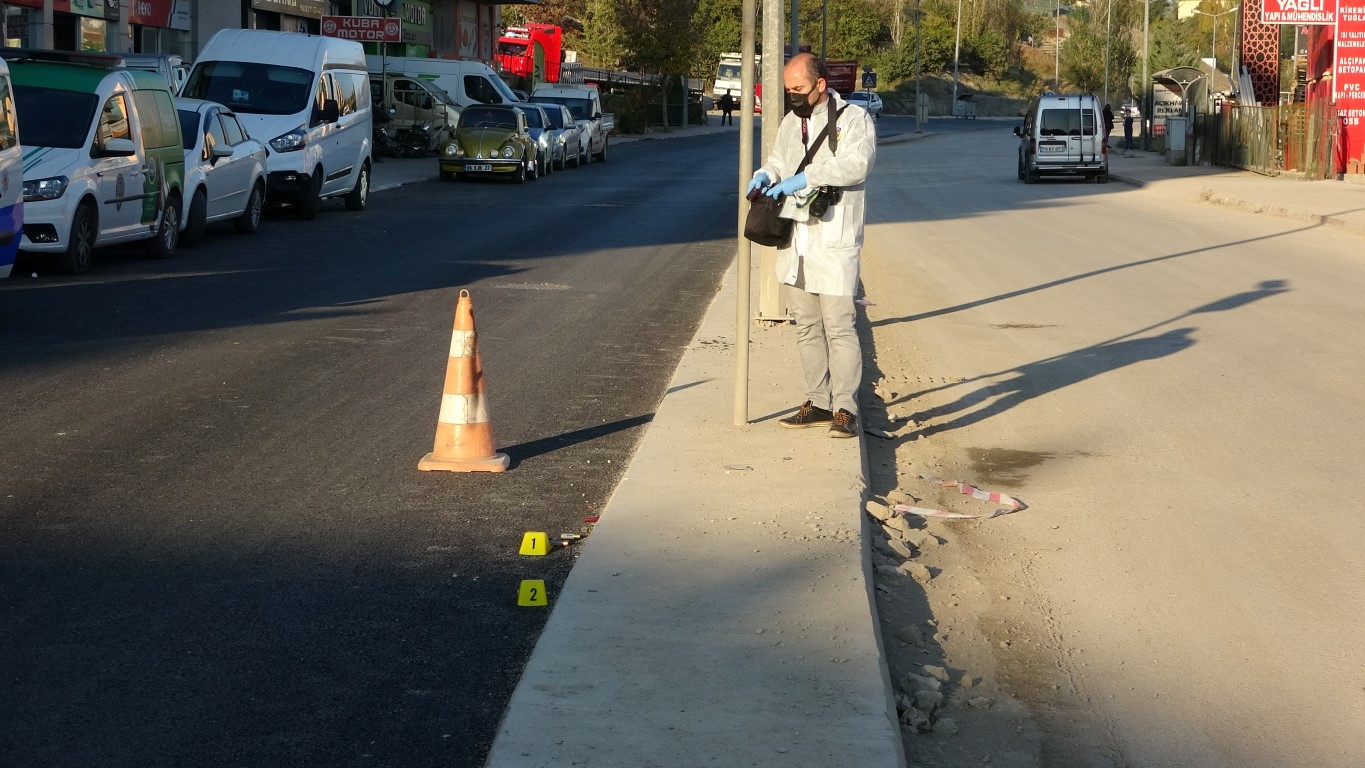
491	139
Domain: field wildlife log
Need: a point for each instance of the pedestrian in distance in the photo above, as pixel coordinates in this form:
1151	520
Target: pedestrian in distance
727	107
1128	129
818	267
1108	122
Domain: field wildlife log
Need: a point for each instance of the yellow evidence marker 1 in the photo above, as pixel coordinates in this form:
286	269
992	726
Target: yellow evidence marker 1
535	543
532	592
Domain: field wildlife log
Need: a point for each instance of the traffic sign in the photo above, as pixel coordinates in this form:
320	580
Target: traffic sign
869	80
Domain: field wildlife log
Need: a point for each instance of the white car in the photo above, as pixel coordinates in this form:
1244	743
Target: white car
868	100
224	169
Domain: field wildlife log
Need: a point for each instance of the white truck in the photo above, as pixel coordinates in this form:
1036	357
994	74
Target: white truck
585	103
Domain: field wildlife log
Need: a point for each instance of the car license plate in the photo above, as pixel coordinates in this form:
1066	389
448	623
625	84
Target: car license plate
1051	148
478	167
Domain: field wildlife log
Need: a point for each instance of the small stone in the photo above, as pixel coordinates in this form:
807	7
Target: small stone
899	497
901	548
928	701
899	523
980	702
911	635
968	681
917	720
930	541
946	725
888	571
878	510
938	673
918	572
913	683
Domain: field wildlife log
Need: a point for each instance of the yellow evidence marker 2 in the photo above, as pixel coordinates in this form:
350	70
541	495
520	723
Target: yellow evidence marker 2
535	543
532	592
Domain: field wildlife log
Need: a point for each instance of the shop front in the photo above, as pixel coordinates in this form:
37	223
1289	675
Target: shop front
288	15
23	23
160	26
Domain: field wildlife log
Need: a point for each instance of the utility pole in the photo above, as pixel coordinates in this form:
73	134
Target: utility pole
770	304
957	51
744	258
1108	23
920	112
824	29
1056	47
795	30
1146	75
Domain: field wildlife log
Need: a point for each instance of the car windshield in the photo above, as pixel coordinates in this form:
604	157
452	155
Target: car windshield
61	118
483	117
245	86
556	118
512	49
189	128
533	118
1067	122
858	97
581	109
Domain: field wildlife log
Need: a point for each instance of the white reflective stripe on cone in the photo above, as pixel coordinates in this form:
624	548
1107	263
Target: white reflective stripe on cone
463	409
463	343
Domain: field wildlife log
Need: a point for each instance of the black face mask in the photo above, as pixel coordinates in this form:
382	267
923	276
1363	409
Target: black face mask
800	104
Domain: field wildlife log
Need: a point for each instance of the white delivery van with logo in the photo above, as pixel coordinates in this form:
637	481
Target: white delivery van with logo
307	98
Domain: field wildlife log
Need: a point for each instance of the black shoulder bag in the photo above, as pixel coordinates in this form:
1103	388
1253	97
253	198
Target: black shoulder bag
764	224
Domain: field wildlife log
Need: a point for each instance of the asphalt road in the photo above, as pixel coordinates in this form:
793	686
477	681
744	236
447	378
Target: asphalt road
215	546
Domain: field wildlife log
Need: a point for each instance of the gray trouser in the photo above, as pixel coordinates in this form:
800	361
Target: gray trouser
827	341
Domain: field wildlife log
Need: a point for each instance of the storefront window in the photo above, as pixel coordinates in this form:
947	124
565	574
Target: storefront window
17	23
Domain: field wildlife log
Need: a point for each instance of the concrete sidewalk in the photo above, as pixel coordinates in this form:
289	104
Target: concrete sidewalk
1333	203
720	613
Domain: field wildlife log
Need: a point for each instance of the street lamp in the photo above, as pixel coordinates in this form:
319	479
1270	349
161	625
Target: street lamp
1215	16
957	50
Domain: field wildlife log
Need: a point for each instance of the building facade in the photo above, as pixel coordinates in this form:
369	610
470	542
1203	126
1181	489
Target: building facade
453	29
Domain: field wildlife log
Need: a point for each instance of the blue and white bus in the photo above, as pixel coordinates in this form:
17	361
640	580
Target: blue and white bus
11	177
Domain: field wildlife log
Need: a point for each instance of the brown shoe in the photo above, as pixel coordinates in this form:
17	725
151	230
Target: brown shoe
845	425
807	416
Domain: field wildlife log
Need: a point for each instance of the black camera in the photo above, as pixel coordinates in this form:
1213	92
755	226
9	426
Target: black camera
824	197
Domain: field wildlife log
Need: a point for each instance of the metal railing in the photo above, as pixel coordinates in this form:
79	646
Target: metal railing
1270	140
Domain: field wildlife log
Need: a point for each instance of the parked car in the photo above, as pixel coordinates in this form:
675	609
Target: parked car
585	103
569	133
169	65
308	98
224	169
549	153
12	175
491	139
868	100
104	162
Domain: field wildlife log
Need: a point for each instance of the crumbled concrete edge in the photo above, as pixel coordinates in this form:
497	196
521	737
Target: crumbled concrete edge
1245	206
870	587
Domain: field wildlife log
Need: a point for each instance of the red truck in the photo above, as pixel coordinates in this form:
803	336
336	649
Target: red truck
842	76
534	51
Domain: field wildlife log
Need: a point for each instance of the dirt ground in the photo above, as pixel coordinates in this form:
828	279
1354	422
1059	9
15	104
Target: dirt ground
980	672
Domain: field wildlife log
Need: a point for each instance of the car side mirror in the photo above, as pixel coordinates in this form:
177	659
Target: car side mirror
1016	131
220	150
331	111
117	148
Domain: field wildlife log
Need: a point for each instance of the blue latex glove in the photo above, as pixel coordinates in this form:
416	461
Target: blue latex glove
759	181
787	186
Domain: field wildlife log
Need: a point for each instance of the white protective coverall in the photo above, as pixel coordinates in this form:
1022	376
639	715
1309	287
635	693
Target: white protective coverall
825	252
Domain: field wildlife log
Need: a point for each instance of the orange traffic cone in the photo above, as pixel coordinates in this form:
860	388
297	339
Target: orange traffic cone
464	436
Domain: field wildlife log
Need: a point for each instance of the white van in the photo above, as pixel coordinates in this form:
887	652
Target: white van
11	178
307	98
467	82
1063	135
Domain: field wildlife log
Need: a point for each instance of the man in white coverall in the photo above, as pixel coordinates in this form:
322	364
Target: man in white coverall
818	268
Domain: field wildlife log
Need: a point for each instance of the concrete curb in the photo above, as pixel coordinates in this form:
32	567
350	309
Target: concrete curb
1246	206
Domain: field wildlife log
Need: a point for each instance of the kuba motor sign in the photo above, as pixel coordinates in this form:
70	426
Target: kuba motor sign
365	29
1309	12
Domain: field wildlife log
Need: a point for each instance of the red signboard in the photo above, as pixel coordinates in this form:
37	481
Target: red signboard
366	29
1299	12
1348	79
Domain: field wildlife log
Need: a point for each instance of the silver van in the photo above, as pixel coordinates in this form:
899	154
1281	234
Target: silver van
1063	135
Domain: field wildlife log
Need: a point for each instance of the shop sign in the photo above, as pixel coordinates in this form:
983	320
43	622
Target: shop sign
92	8
1348	77
309	9
364	29
167	14
1299	12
